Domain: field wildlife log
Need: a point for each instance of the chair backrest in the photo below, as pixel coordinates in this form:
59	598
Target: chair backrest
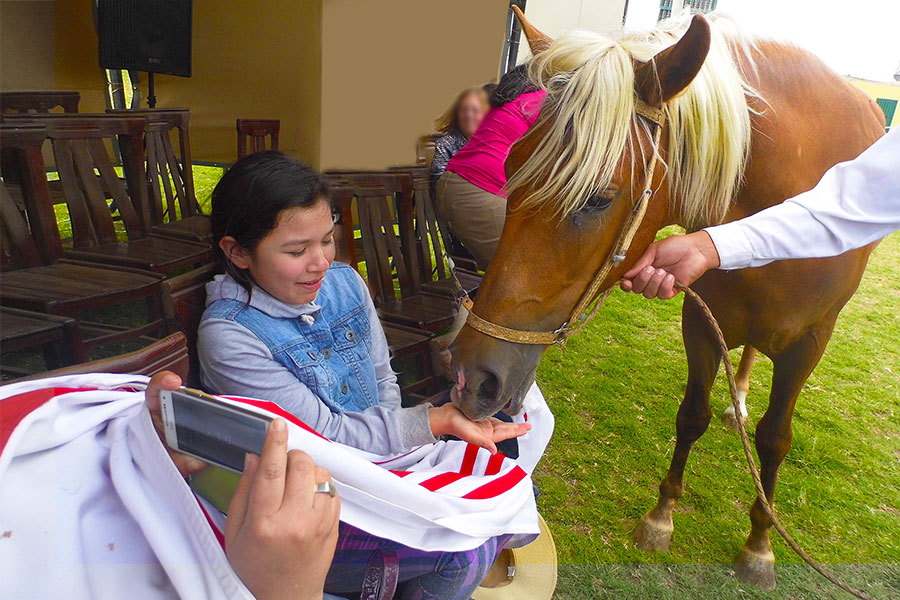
432	234
381	243
168	354
342	196
81	145
39	102
256	130
170	175
425	149
35	240
184	301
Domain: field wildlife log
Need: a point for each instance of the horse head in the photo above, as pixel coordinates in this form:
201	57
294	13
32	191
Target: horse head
574	180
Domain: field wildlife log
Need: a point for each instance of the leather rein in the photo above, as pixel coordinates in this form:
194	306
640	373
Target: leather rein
657	116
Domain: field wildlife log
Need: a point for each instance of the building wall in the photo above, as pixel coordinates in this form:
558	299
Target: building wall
555	16
390	67
250	59
26	45
878	89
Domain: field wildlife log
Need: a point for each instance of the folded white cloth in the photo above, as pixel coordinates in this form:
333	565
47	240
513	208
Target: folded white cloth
91	506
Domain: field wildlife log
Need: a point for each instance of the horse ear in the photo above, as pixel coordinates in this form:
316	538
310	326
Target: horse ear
676	66
537	41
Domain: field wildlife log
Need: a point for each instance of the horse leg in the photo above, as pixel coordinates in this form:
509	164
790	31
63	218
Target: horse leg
755	562
654	532
742	379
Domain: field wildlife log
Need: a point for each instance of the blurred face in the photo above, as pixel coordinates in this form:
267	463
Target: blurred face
290	262
471	110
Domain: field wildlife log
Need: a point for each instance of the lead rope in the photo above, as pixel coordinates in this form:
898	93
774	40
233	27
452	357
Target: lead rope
748	453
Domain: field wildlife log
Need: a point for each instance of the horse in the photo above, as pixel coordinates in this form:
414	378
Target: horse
748	123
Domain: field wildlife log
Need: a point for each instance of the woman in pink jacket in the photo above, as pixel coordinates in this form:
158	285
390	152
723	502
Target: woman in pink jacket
470	193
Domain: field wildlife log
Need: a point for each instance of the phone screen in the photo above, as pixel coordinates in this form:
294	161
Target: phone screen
217	434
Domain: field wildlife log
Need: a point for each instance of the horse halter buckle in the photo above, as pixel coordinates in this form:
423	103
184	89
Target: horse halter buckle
614	259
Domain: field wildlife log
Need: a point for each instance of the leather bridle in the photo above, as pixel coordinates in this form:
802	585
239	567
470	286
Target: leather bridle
574	323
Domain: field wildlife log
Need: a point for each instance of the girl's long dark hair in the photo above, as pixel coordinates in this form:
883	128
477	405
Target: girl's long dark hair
248	199
512	85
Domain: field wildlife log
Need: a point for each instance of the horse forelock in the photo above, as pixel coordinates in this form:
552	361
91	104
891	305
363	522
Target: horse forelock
586	121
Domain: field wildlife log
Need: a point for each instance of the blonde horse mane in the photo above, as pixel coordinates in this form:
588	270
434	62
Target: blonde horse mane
589	112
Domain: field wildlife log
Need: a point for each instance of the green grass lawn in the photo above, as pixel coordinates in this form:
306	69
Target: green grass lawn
615	390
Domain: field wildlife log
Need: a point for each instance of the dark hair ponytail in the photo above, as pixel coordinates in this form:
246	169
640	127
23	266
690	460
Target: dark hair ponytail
248	199
512	85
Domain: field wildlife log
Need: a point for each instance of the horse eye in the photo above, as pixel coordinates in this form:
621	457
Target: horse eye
599	201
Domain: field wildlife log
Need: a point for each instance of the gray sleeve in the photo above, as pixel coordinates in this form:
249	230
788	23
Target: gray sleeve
442	155
234	361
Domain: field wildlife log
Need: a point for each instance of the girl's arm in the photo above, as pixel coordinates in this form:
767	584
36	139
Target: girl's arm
234	361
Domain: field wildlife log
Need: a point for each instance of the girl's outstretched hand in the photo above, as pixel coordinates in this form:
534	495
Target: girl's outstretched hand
449	420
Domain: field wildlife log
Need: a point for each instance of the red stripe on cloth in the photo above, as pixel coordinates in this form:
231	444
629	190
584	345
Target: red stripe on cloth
439	481
499	486
277	410
469	457
401	473
494	464
220	537
15	408
384	462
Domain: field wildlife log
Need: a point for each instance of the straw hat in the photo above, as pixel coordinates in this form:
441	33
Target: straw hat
526	573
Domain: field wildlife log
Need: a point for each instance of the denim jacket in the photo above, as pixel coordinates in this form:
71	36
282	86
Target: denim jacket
329	352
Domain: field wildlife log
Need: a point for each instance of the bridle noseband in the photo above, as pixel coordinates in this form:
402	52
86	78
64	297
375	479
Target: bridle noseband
657	116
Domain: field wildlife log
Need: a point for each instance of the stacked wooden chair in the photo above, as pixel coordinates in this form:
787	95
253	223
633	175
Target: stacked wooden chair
88	179
173	208
36	276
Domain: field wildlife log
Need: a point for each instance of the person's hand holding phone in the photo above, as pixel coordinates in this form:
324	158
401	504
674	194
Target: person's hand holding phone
281	534
166	380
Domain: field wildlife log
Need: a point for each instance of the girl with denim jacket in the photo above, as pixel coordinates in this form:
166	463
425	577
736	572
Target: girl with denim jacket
285	323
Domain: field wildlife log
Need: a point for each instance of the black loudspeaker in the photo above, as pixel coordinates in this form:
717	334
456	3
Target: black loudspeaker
145	35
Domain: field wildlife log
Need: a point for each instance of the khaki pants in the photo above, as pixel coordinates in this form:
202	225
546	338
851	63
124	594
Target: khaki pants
475	216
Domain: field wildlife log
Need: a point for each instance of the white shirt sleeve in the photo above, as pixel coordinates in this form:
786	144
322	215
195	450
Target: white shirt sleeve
855	203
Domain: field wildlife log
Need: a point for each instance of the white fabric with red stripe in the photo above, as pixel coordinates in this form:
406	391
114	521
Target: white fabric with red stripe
91	506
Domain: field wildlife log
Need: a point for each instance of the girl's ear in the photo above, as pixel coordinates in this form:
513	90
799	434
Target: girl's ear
233	252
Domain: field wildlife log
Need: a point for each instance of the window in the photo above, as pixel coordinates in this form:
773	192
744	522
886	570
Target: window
665	9
889	107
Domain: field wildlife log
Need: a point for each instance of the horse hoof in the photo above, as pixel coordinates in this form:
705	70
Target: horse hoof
756	568
653	535
730	421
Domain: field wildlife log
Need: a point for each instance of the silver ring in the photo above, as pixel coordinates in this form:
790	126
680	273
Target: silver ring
326	487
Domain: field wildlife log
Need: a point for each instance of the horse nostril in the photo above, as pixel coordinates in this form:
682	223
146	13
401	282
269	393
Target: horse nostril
489	388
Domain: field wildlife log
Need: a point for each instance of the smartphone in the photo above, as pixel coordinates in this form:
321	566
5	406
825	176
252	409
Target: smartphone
207	428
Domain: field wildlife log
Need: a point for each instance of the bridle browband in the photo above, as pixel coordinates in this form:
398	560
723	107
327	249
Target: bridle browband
657	116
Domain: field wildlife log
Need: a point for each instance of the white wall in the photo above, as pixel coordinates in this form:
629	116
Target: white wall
555	16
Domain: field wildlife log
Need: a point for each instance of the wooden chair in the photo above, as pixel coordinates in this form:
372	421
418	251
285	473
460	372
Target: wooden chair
36	277
410	343
174	210
167	354
384	257
79	146
425	149
58	337
184	301
346	248
432	238
39	102
399	186
257	130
